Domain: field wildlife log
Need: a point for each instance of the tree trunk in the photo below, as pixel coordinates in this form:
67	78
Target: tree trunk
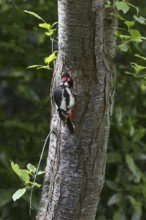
76	163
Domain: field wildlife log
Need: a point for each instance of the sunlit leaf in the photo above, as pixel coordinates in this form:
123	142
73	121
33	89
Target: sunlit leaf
117	16
34	184
123	6
18	194
35	15
41	172
24	176
43	67
49	59
45	25
135	35
16	168
129	23
140	19
31	167
141	57
123	47
33	66
37	185
50	32
137	67
122	36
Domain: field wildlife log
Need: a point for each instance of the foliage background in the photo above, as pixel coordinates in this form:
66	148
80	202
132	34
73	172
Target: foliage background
24	97
25	112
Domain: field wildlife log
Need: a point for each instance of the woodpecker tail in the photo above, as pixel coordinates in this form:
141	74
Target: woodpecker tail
70	126
66	117
62	114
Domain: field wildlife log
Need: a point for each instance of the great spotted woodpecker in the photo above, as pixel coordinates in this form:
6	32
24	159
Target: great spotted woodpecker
65	100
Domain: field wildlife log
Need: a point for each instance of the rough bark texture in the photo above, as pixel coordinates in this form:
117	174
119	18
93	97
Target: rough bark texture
76	163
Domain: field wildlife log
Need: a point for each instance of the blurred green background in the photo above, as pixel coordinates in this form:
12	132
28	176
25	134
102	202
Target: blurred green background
25	116
24	97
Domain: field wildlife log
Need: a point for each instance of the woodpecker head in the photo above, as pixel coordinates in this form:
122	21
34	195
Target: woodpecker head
67	80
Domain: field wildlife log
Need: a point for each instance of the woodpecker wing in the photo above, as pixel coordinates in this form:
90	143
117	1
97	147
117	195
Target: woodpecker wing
61	100
58	95
64	99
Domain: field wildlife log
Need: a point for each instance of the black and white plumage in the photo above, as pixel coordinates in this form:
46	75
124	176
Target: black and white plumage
65	100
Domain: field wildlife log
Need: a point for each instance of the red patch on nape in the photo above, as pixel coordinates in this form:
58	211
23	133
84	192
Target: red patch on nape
64	78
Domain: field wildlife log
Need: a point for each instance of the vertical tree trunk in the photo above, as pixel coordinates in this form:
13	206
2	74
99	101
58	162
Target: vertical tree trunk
76	163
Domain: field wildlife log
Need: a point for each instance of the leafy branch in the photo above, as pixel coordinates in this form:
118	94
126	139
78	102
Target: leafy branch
50	33
130	34
26	176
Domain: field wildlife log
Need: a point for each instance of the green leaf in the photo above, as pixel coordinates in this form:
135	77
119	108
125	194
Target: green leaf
33	66
45	25
16	168
18	194
139	133
123	47
143	38
121	5
129	23
116	216
24	176
31	168
135	35
34	14
41	172
144	188
141	57
112	185
49	59
108	4
137	67
136	215
43	67
113	157
36	184
119	116
122	36
140	19
116	15
133	168
50	32
115	199
135	204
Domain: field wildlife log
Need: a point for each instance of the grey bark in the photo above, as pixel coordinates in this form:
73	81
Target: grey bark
75	169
